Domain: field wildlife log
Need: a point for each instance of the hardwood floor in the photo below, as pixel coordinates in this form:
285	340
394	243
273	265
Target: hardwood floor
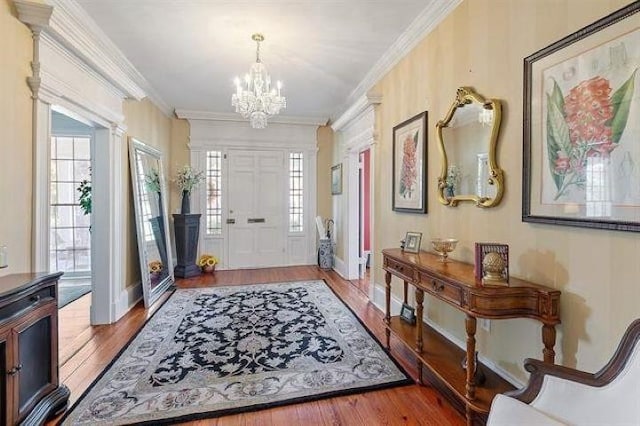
411	405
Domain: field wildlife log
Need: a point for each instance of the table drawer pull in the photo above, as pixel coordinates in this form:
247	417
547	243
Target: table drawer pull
437	286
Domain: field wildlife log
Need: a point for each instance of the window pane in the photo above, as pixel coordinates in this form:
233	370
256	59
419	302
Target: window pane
70	239
64	216
67	193
82	148
65	171
81	170
214	192
64	149
296	194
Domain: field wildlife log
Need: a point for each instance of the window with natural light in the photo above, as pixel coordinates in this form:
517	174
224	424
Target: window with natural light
296	192
70	240
214	192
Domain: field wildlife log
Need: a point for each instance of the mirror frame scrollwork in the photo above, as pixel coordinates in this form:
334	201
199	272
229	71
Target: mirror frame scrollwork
465	96
150	294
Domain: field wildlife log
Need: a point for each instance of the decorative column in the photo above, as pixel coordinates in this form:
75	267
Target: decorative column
187	227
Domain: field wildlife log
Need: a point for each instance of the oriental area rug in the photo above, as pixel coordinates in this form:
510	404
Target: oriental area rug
223	350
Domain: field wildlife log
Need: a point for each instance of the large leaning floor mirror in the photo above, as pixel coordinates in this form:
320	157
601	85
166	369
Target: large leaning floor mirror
150	200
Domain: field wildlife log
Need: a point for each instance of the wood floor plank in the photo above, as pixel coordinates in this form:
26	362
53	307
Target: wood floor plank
406	405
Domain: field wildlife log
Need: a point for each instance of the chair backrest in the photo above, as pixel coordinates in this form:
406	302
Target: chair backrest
617	402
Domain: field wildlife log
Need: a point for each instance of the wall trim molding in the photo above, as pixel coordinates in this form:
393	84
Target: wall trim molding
360	106
433	13
227	116
128	298
70	25
339	267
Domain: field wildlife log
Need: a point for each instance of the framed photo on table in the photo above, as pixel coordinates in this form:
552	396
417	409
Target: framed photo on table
412	242
409	184
581	156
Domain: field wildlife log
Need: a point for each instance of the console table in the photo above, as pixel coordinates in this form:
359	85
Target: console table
455	283
29	390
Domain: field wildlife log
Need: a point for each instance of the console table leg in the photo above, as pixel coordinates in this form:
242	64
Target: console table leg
406	289
470	325
549	340
387	306
419	371
419	309
469	415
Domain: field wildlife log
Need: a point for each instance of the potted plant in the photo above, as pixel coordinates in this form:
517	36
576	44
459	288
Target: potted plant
186	179
208	262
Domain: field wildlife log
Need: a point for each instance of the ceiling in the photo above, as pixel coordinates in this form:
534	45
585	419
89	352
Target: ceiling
189	51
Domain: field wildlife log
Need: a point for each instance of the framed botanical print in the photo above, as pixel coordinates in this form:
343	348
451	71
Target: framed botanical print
409	165
581	162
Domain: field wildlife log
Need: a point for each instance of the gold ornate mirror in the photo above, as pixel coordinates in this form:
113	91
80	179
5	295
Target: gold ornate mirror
468	137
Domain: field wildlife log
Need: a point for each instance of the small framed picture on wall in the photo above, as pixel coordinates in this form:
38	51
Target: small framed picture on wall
336	179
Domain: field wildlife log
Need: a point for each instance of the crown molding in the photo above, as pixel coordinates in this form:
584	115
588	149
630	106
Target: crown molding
225	116
72	27
35	15
354	111
425	22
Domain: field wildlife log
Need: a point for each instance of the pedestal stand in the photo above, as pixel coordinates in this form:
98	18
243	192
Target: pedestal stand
187	228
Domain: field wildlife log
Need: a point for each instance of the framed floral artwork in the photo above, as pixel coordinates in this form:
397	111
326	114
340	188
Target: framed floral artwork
581	158
409	165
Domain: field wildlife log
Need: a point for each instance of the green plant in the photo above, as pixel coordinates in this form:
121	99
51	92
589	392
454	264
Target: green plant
152	181
85	196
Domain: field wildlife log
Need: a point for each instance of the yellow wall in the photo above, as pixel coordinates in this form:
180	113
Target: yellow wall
179	157
482	44
145	122
15	143
324	162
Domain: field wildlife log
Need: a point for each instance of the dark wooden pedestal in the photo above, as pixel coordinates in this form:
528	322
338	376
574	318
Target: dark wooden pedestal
187	228
29	388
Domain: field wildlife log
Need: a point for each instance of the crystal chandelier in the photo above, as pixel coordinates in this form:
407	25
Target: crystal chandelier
255	99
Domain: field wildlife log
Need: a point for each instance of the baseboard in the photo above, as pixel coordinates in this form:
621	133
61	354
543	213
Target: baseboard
339	267
396	305
128	298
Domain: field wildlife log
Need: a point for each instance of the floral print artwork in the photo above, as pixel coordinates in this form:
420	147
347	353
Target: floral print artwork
586	123
409	171
589	144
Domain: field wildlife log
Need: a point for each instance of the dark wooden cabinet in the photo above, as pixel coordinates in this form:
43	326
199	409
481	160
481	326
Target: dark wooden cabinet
30	390
455	283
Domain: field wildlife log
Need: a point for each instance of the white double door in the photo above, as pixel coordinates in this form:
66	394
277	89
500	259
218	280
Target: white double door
257	207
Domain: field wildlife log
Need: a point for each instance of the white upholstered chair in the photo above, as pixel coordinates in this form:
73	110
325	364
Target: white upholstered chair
557	395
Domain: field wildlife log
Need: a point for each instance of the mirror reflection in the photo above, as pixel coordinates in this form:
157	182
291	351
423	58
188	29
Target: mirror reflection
467	140
149	192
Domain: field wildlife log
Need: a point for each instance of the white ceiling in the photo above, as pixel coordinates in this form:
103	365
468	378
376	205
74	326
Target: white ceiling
190	50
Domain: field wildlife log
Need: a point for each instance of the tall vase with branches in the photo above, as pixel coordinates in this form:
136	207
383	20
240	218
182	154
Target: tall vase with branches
187	178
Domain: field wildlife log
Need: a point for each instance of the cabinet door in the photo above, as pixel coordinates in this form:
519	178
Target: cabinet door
37	354
6	379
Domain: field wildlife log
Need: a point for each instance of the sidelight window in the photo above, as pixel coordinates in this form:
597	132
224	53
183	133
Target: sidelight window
214	192
296	192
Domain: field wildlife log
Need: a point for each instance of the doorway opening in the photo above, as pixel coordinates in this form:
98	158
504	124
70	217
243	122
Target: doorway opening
70	163
364	222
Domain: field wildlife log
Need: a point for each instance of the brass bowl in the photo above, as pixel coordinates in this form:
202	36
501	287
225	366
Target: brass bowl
444	246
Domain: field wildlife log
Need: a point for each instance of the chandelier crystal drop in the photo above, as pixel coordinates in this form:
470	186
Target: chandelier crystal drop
255	99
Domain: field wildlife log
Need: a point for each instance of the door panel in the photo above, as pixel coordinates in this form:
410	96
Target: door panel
257	189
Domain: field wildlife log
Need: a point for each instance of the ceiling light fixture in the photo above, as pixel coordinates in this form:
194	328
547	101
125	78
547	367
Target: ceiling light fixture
255	99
